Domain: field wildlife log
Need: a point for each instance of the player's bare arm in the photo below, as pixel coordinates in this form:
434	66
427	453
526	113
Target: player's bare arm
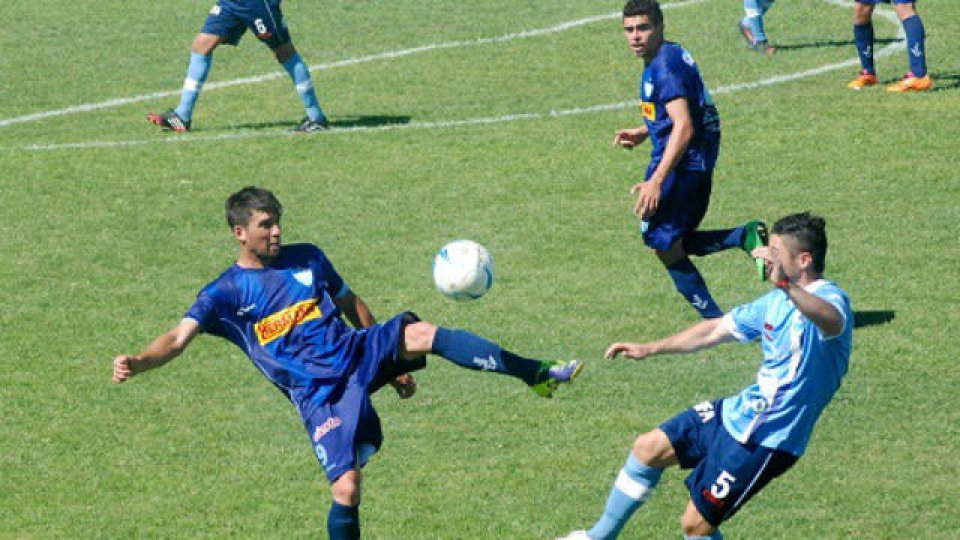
680	136
819	311
163	349
630	137
355	310
703	335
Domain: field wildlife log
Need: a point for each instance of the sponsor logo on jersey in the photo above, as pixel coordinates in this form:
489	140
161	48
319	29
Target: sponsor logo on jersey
282	322
647	89
648	110
326	427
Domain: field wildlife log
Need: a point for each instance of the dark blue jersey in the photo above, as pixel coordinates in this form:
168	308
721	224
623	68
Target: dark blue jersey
673	74
284	318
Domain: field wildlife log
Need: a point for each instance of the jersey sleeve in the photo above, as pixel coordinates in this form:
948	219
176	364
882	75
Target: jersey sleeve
328	277
204	311
840	301
671	80
745	322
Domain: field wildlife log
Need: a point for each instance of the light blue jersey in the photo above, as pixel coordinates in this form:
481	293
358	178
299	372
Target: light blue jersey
801	369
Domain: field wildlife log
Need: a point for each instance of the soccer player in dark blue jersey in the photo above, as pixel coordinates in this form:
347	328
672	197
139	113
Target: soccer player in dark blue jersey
736	446
284	305
227	22
681	121
917	79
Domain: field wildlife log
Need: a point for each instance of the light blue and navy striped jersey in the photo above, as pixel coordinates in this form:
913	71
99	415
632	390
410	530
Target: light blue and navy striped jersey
673	74
284	318
800	373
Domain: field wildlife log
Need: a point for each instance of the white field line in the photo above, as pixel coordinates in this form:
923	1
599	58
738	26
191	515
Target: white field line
388	55
728	89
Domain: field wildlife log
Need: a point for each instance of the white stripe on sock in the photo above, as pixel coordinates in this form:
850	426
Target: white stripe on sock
191	85
304	87
630	487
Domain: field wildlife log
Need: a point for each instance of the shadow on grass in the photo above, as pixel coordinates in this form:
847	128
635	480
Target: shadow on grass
862	319
826	43
945	81
340	122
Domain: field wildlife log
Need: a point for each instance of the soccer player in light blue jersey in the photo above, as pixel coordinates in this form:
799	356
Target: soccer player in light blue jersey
917	79
737	445
683	125
751	25
284	305
227	22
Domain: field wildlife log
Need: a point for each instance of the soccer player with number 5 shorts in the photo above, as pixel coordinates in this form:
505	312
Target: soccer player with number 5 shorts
735	446
283	306
917	79
227	22
683	125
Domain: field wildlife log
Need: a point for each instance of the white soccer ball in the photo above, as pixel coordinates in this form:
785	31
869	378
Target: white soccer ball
463	270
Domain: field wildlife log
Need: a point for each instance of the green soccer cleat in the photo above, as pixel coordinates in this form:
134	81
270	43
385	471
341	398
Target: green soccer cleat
556	373
754	236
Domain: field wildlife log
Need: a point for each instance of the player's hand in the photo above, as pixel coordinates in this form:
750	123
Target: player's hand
121	368
774	269
637	351
648	198
405	385
629	138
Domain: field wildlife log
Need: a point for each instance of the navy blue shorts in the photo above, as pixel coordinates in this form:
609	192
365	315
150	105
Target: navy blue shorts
229	19
345	431
726	473
683	203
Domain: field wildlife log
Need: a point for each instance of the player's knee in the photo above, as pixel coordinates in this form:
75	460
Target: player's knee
418	337
904	11
284	52
346	490
653	448
862	13
205	43
695	526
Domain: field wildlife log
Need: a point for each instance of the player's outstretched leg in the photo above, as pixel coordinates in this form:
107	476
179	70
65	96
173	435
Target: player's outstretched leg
474	352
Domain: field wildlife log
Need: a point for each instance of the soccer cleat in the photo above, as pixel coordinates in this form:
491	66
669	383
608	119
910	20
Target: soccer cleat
864	79
911	83
754	236
763	47
311	126
576	535
745	32
556	373
170	120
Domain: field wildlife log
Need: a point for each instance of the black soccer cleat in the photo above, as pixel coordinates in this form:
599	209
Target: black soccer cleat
311	126
170	120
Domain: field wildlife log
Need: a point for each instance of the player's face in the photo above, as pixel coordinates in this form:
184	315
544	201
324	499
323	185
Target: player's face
261	235
785	254
643	36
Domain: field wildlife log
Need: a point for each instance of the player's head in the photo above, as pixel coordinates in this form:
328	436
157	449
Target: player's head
805	236
643	27
254	216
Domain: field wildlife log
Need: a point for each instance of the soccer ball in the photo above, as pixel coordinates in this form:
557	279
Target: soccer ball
463	270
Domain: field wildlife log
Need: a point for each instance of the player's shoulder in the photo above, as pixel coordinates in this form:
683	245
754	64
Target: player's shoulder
301	252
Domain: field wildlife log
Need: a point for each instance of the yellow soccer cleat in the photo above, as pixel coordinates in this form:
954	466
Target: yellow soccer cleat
910	83
864	79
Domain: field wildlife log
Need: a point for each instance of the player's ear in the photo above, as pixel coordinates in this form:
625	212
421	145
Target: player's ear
806	260
240	232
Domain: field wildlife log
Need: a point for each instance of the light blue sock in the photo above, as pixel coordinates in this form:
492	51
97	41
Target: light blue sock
753	11
300	74
197	73
916	36
717	535
633	487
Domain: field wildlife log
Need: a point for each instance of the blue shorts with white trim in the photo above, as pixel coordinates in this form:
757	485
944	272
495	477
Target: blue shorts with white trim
726	473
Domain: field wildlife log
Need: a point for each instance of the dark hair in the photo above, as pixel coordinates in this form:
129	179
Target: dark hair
810	234
650	8
241	205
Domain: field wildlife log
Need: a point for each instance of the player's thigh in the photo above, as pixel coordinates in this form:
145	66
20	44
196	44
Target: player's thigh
654	448
205	43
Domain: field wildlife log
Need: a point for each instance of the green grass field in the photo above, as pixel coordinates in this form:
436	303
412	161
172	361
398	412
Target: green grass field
112	227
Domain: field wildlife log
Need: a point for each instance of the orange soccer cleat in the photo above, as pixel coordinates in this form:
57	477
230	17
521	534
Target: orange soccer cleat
911	83
864	79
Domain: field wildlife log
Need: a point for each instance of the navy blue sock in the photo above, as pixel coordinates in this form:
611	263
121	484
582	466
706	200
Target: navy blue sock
690	283
473	352
343	522
702	243
913	27
863	37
